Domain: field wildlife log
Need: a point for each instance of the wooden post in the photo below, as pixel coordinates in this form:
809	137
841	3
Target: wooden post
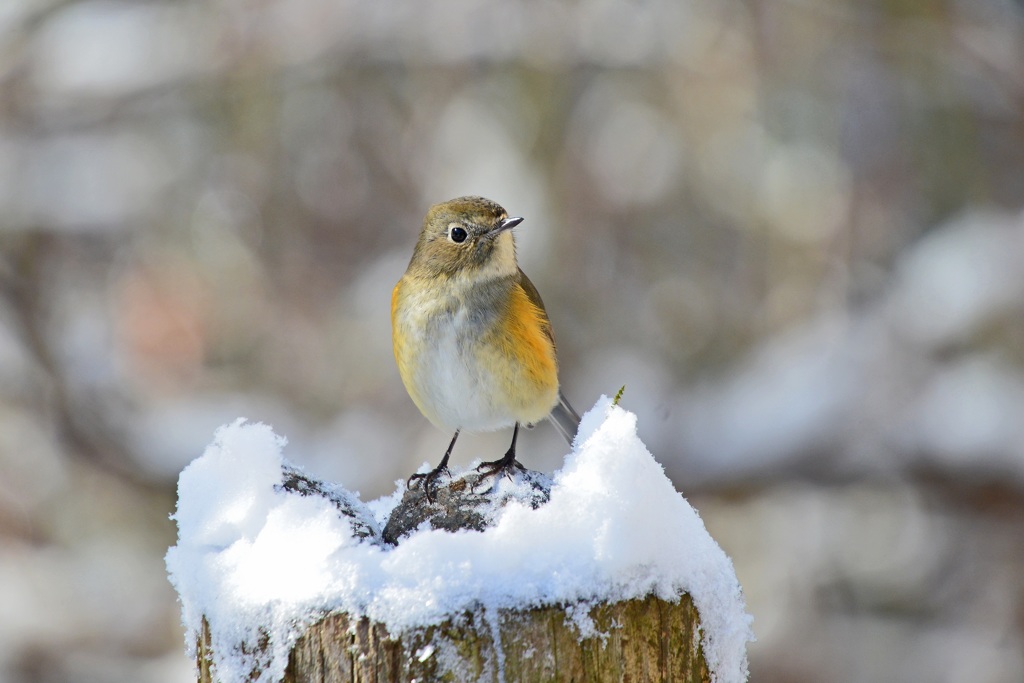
636	640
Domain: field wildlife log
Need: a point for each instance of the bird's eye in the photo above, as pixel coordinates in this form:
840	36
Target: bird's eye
457	234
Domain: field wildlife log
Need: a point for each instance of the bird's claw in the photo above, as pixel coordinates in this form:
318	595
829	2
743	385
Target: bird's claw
506	466
429	481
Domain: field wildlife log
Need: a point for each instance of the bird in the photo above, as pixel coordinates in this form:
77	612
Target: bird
472	339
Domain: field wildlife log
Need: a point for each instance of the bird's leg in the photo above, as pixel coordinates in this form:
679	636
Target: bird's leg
430	477
506	463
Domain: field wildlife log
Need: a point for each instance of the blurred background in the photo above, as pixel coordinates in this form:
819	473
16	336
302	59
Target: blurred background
792	228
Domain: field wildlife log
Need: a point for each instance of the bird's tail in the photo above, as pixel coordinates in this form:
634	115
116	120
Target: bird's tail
565	419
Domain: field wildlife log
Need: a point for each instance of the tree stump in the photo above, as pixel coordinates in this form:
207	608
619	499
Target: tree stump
635	640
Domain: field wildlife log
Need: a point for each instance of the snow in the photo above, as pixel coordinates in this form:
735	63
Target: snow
258	561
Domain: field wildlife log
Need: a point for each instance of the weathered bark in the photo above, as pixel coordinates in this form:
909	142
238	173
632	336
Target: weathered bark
641	640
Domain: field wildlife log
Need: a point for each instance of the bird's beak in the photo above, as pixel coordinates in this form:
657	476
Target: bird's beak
509	223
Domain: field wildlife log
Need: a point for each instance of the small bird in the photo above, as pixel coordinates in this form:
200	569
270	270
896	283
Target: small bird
472	339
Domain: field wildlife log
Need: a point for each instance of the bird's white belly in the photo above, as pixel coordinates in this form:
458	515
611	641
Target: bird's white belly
459	391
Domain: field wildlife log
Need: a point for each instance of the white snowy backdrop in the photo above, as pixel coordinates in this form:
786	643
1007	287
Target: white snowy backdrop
793	230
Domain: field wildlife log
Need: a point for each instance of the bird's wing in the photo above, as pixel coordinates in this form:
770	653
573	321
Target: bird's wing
563	416
534	296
